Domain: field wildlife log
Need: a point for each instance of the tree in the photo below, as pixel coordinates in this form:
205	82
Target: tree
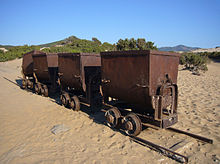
96	41
141	43
150	45
132	44
120	45
126	44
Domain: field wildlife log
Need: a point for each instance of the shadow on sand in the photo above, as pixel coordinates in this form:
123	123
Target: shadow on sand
19	82
96	114
215	60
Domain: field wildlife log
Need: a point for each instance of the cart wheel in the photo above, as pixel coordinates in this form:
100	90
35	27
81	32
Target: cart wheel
41	89
37	88
112	116
45	88
64	100
75	103
132	124
24	84
30	84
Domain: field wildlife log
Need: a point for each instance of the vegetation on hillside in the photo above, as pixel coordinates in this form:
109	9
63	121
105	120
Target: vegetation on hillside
71	44
61	42
5	46
74	44
16	52
132	44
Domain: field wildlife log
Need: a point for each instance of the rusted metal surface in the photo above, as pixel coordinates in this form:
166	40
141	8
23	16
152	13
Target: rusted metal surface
80	73
132	124
41	67
167	152
52	60
27	62
201	138
46	71
112	116
71	68
146	79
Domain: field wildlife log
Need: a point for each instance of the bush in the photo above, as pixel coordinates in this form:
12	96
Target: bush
74	44
16	52
132	44
70	45
211	55
194	62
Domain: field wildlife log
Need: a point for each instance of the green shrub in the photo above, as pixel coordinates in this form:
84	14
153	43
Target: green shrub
74	44
212	55
16	52
71	45
194	62
132	44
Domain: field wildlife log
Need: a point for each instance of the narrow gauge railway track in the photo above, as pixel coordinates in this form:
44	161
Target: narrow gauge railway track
200	138
165	151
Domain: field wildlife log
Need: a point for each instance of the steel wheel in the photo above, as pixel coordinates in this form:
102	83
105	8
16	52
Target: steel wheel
75	103
112	116
30	84
37	88
45	93
132	124
64	99
41	89
24	84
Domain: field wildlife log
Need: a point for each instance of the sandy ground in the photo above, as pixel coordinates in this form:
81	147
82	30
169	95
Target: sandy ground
26	120
217	49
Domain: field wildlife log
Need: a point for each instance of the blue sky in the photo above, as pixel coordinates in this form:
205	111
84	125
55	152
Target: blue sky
165	22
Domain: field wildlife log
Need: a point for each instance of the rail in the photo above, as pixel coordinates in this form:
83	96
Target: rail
167	152
203	139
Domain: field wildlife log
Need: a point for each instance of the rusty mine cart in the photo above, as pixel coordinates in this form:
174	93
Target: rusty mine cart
80	78
144	81
39	72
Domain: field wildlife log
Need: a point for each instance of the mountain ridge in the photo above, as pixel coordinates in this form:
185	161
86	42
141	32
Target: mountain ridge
182	48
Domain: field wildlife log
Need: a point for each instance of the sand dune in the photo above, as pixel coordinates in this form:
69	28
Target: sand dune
217	49
26	121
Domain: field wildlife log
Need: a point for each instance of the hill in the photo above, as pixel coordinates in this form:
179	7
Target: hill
178	48
70	45
60	42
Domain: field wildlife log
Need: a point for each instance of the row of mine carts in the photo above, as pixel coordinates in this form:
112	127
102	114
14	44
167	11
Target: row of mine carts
134	87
